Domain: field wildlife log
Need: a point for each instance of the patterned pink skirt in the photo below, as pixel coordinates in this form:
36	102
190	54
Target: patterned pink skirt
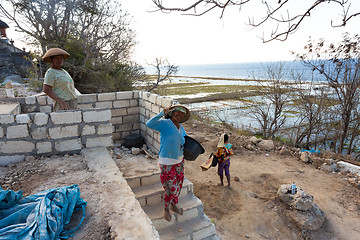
172	178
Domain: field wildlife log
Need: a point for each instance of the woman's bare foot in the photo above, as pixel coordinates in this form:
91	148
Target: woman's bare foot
179	211
167	214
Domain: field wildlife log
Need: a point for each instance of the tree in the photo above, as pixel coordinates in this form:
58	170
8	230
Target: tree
286	17
340	65
96	33
100	25
268	111
164	70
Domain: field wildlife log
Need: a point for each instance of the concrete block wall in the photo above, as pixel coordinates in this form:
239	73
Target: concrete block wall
27	134
124	108
150	105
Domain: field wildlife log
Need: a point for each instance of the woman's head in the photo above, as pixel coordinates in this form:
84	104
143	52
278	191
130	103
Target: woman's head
226	138
55	56
178	113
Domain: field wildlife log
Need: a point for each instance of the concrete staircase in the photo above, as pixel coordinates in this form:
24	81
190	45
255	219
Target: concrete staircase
193	224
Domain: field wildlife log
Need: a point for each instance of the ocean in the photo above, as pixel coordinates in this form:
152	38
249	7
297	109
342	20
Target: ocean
254	70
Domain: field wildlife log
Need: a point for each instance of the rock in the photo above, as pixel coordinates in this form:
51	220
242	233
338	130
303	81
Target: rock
301	200
308	220
254	140
236	179
250	147
266	145
329	168
329	161
15	79
135	151
305	157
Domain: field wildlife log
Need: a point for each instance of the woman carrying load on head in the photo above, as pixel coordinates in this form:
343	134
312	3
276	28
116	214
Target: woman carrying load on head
58	84
171	159
223	153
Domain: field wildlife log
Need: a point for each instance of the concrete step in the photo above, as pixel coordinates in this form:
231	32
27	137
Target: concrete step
152	194
194	229
191	205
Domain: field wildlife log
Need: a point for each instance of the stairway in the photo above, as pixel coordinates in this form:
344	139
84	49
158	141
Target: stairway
193	224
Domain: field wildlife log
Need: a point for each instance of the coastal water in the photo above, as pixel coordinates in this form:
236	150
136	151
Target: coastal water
254	70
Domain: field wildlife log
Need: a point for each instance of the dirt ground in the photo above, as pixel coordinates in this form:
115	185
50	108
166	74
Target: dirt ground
248	210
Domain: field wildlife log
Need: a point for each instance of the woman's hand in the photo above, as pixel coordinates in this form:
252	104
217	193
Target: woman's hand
64	105
166	110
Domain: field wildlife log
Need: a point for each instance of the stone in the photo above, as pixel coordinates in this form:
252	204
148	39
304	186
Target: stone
17	131
39	133
266	145
329	167
65	117
301	200
135	151
22	118
254	140
97	116
305	157
41	119
310	220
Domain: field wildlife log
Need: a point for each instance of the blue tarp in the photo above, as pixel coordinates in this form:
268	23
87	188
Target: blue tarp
40	216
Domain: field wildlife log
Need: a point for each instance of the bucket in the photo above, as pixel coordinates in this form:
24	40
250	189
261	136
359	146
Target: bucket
192	149
134	140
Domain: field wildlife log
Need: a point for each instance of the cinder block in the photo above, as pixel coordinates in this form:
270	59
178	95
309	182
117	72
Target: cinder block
152	200
188	214
124	127
41	100
97	116
133	110
7	160
152	98
134	103
116	120
39	133
1	132
106	97
88	130
85	106
64	132
148	180
103	105
131	119
156	109
124	95
105	129
142	111
28	108
68	145
136	126
30	100
41	119
166	102
49	100
133	183
22	118
16	147
121	103
142	202
148	105
136	94
118	112
158	100
87	98
43	147
66	117
46	109
116	136
6	118
17	131
141	103
99	142
204	232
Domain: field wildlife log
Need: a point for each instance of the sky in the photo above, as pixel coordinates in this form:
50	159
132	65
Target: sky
186	40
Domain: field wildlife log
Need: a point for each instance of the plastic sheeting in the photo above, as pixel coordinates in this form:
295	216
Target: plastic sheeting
40	216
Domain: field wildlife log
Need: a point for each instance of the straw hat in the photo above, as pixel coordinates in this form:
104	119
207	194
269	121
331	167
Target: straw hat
55	52
187	114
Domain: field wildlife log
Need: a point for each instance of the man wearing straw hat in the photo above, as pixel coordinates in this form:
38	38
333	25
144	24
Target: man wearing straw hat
58	84
172	140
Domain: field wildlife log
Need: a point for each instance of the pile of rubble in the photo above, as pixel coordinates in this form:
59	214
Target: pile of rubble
306	214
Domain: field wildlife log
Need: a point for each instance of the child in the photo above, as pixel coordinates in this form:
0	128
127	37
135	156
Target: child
223	153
